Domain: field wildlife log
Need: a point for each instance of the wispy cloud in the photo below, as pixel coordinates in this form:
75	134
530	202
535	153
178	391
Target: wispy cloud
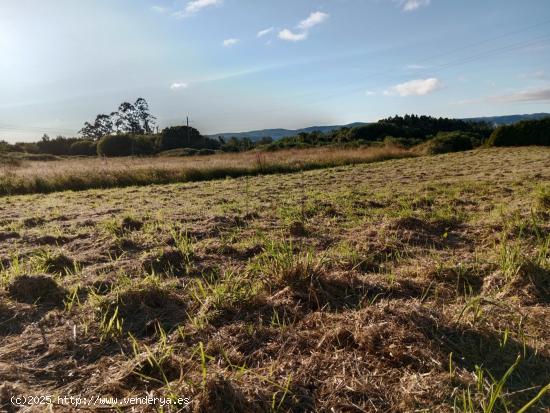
530	95
264	32
417	87
159	9
195	6
410	5
417	67
179	86
289	35
230	42
314	19
539	75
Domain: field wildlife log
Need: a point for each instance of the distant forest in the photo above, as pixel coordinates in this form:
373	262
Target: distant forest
132	131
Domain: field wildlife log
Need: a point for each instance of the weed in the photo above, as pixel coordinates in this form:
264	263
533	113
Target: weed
56	263
280	266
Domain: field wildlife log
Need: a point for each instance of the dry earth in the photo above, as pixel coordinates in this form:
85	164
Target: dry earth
400	286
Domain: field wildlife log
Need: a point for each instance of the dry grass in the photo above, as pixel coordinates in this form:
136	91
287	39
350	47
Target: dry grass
87	173
411	285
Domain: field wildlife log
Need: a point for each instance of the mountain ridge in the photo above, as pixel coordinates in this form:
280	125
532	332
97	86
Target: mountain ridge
279	133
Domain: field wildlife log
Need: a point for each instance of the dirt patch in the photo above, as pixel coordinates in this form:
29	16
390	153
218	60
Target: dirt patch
297	229
415	231
33	222
129	224
36	289
5	236
143	309
531	285
167	261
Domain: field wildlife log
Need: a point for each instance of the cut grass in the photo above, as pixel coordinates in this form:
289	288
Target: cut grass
340	289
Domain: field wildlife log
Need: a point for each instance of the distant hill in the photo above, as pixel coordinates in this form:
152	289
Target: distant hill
283	133
510	119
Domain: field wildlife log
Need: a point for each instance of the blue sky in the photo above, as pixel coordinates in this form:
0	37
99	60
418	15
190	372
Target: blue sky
235	65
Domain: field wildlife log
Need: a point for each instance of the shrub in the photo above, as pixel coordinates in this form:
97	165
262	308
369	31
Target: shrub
184	137
145	144
532	132
206	152
84	148
401	142
180	152
446	142
116	145
5	147
57	146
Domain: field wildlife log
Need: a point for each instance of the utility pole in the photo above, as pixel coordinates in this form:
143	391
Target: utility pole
188	143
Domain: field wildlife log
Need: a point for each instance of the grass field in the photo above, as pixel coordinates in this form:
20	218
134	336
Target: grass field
409	285
27	177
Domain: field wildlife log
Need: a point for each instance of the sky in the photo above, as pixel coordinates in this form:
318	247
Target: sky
238	65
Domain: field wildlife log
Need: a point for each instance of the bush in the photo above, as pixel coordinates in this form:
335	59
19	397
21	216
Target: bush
184	137
180	152
58	146
116	145
401	142
84	148
446	142
203	152
531	132
28	147
145	144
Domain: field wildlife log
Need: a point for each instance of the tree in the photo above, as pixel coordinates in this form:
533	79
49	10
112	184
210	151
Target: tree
530	132
129	118
147	121
184	137
103	125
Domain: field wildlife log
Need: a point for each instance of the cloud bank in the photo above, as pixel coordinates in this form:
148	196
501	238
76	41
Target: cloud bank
521	96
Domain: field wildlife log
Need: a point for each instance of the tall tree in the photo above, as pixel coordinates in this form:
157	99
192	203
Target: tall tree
130	118
147	121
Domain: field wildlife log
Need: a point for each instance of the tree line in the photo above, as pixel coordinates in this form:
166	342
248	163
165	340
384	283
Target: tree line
132	131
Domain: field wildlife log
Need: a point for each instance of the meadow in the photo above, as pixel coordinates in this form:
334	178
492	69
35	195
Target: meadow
419	284
79	173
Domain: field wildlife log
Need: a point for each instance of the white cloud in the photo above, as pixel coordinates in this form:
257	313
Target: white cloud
158	9
530	95
179	86
195	6
417	87
291	36
410	5
230	42
314	19
262	33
